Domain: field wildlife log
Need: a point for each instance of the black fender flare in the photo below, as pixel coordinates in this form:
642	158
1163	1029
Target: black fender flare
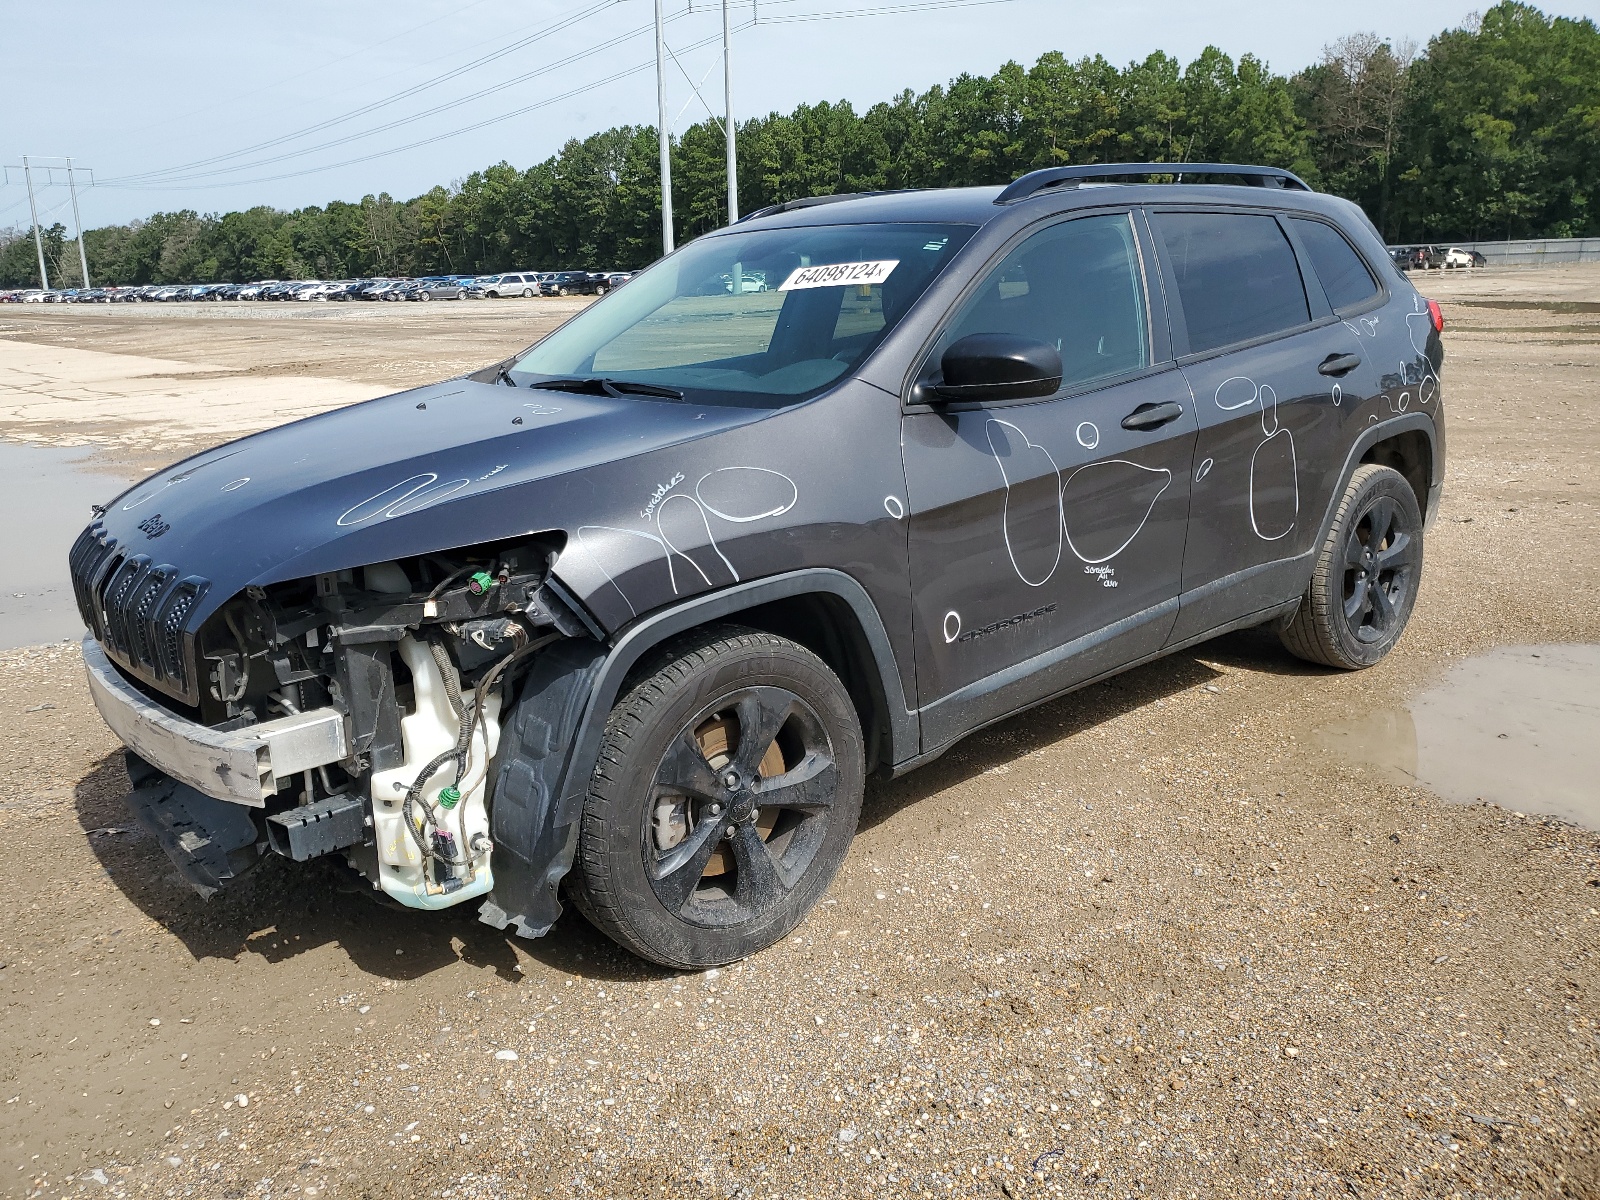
552	736
1370	437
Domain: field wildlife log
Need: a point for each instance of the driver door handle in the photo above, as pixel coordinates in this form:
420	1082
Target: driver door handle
1152	416
1339	364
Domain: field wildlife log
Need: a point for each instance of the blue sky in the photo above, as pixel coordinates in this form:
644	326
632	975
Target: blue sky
131	88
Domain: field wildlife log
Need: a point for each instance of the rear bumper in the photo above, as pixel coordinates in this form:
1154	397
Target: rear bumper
240	766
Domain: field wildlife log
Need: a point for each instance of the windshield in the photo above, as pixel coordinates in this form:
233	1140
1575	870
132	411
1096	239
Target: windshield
765	316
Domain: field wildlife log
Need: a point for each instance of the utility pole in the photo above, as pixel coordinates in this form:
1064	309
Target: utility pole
33	211
83	257
727	121
664	133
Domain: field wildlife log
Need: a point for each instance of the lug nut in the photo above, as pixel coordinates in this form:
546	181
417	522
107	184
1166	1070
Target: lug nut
716	810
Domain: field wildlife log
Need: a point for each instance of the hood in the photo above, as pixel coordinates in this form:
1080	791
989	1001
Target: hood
437	467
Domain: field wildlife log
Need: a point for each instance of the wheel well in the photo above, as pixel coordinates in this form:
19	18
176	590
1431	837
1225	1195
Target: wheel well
1411	454
825	625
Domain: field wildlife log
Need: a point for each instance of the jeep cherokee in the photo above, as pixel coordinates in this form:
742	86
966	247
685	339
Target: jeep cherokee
631	616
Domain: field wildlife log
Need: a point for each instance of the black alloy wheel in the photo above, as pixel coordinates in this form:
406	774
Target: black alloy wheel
738	814
1380	558
724	801
1364	583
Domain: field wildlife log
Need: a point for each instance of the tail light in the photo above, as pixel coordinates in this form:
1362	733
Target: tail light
1436	315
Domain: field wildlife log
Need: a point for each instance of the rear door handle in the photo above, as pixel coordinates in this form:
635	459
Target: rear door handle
1152	416
1339	364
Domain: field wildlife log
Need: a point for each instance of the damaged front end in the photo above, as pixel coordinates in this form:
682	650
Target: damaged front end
358	711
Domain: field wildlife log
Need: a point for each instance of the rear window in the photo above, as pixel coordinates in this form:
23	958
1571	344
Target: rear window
1236	275
1344	275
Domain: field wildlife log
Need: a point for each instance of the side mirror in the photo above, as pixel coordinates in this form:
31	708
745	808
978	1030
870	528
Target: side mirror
998	366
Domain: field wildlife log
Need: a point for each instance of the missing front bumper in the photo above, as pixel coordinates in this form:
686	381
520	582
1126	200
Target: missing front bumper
242	766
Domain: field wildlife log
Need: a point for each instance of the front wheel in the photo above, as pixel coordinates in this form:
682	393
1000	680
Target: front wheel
723	801
1365	580
601	290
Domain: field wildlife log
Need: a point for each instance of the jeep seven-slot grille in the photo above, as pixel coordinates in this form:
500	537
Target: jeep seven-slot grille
138	610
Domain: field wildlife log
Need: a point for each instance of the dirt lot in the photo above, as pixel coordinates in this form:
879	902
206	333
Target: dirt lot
152	382
1154	939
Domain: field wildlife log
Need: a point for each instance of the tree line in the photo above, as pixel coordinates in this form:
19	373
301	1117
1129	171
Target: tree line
1492	130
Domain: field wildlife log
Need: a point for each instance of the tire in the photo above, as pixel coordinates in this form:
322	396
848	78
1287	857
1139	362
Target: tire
424	296
752	853
561	291
601	290
1344	619
527	293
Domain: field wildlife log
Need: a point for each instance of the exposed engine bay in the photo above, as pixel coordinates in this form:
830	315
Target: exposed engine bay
419	656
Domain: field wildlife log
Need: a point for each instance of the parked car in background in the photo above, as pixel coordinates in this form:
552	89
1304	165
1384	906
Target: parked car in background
1456	258
516	283
439	289
574	283
616	279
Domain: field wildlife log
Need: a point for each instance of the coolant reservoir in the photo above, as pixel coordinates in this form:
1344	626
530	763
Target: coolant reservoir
428	730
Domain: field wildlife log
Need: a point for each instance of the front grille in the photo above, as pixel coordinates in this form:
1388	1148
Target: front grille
138	610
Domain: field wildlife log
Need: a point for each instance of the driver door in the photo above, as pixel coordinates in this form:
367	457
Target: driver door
1047	536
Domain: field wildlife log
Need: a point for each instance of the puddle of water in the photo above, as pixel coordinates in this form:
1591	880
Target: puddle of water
1518	726
50	490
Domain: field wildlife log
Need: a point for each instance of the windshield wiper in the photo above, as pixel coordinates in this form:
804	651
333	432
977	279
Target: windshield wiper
609	387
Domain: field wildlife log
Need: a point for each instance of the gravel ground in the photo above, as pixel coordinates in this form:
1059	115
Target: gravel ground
1150	940
151	383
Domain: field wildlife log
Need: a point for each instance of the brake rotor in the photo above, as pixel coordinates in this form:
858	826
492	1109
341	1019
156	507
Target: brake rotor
718	739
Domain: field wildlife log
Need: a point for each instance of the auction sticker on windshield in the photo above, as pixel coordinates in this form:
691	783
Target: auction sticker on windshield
839	275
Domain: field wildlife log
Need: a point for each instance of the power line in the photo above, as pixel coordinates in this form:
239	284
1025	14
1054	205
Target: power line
438	137
278	81
565	23
882	10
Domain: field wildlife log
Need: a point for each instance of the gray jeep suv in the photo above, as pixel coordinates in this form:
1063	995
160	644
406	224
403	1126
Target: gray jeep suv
631	616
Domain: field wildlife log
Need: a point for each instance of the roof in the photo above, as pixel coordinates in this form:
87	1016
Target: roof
980	205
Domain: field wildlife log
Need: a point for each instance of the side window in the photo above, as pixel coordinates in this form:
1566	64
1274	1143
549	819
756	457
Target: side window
1236	275
1075	285
1344	275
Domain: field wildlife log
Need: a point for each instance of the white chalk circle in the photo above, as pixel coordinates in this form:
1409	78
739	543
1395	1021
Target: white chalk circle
1203	470
425	497
892	506
745	494
1338	395
1274	487
1269	409
1237	392
236	484
1088	435
406	496
952	626
1031	522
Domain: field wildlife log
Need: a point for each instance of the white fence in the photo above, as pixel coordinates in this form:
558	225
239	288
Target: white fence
1536	252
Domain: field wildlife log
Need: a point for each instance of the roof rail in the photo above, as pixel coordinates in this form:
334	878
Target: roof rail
773	210
1051	177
